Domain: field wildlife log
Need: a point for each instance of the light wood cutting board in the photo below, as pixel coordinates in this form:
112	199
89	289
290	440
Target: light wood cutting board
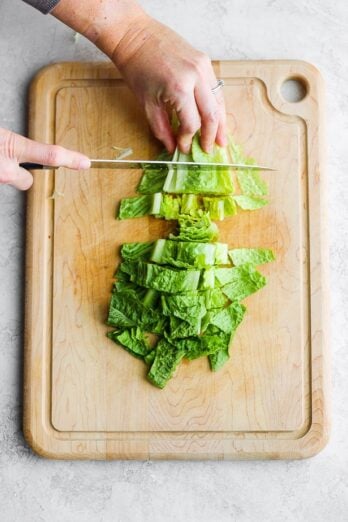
85	397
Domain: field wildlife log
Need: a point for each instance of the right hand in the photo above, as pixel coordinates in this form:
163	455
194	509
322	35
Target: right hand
164	70
160	67
15	149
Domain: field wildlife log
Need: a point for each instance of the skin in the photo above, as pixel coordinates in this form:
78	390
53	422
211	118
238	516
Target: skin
15	149
161	68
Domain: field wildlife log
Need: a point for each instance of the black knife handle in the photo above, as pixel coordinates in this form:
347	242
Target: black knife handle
31	166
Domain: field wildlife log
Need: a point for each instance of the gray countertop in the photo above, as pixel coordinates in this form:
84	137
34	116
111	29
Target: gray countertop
34	489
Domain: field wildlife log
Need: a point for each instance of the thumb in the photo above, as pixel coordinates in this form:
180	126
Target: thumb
52	155
12	174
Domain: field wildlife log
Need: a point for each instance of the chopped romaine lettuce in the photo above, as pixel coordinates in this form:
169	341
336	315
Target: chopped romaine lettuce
251	183
249	202
195	347
187	254
240	281
196	228
135	207
256	256
137	250
133	340
184	289
127	310
167	359
195	180
229	318
219	359
221	254
179	328
214	298
154	176
161	278
189	307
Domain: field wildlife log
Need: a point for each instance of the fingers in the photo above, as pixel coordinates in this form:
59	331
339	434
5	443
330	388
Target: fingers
202	109
160	125
221	134
211	108
209	114
52	155
12	174
190	122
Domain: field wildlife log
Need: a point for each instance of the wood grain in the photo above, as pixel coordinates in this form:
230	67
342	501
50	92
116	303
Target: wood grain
87	398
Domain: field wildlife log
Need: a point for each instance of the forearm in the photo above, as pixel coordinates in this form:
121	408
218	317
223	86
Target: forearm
45	6
103	22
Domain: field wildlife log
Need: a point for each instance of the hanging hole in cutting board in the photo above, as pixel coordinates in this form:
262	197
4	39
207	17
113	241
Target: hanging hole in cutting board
294	90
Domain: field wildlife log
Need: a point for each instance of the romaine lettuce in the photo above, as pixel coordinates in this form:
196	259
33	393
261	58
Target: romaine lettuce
135	207
255	256
167	359
133	340
249	202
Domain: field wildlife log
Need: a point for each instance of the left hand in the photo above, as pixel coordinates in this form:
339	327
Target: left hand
15	149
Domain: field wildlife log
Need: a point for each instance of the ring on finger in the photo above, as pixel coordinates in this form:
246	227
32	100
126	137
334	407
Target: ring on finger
217	87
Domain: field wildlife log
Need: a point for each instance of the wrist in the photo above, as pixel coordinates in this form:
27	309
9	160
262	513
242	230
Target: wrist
105	23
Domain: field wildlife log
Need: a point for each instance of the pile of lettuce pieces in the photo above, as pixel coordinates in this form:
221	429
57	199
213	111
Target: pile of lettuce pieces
180	297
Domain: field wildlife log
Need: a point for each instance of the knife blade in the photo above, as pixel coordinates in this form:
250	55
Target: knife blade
141	163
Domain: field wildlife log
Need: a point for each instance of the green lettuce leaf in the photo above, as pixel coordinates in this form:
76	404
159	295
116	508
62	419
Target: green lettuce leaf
126	310
251	183
196	347
255	256
170	207
151	298
196	180
133	340
249	202
186	254
199	181
179	328
196	228
161	278
215	207
150	357
219	359
226	321
137	250
214	298
230	208
135	207
167	359
240	281
190	204
207	279
221	254
154	176
229	318
189	306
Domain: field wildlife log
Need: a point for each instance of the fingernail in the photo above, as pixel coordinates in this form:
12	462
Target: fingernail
185	147
85	163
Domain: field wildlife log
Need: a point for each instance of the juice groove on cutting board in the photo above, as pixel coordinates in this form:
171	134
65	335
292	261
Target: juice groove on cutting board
87	398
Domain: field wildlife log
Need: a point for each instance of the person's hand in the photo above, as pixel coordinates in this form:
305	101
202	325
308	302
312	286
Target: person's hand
15	149
162	69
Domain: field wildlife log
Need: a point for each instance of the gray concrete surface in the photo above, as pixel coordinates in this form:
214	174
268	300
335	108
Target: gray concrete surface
33	489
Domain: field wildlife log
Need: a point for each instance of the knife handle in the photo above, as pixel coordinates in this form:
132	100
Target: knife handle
32	166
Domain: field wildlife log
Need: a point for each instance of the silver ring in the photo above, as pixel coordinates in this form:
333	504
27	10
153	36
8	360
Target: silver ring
218	86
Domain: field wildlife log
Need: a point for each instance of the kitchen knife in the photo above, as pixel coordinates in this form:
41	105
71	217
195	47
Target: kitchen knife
140	164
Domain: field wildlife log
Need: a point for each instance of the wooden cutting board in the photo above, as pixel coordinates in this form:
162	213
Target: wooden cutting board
85	397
